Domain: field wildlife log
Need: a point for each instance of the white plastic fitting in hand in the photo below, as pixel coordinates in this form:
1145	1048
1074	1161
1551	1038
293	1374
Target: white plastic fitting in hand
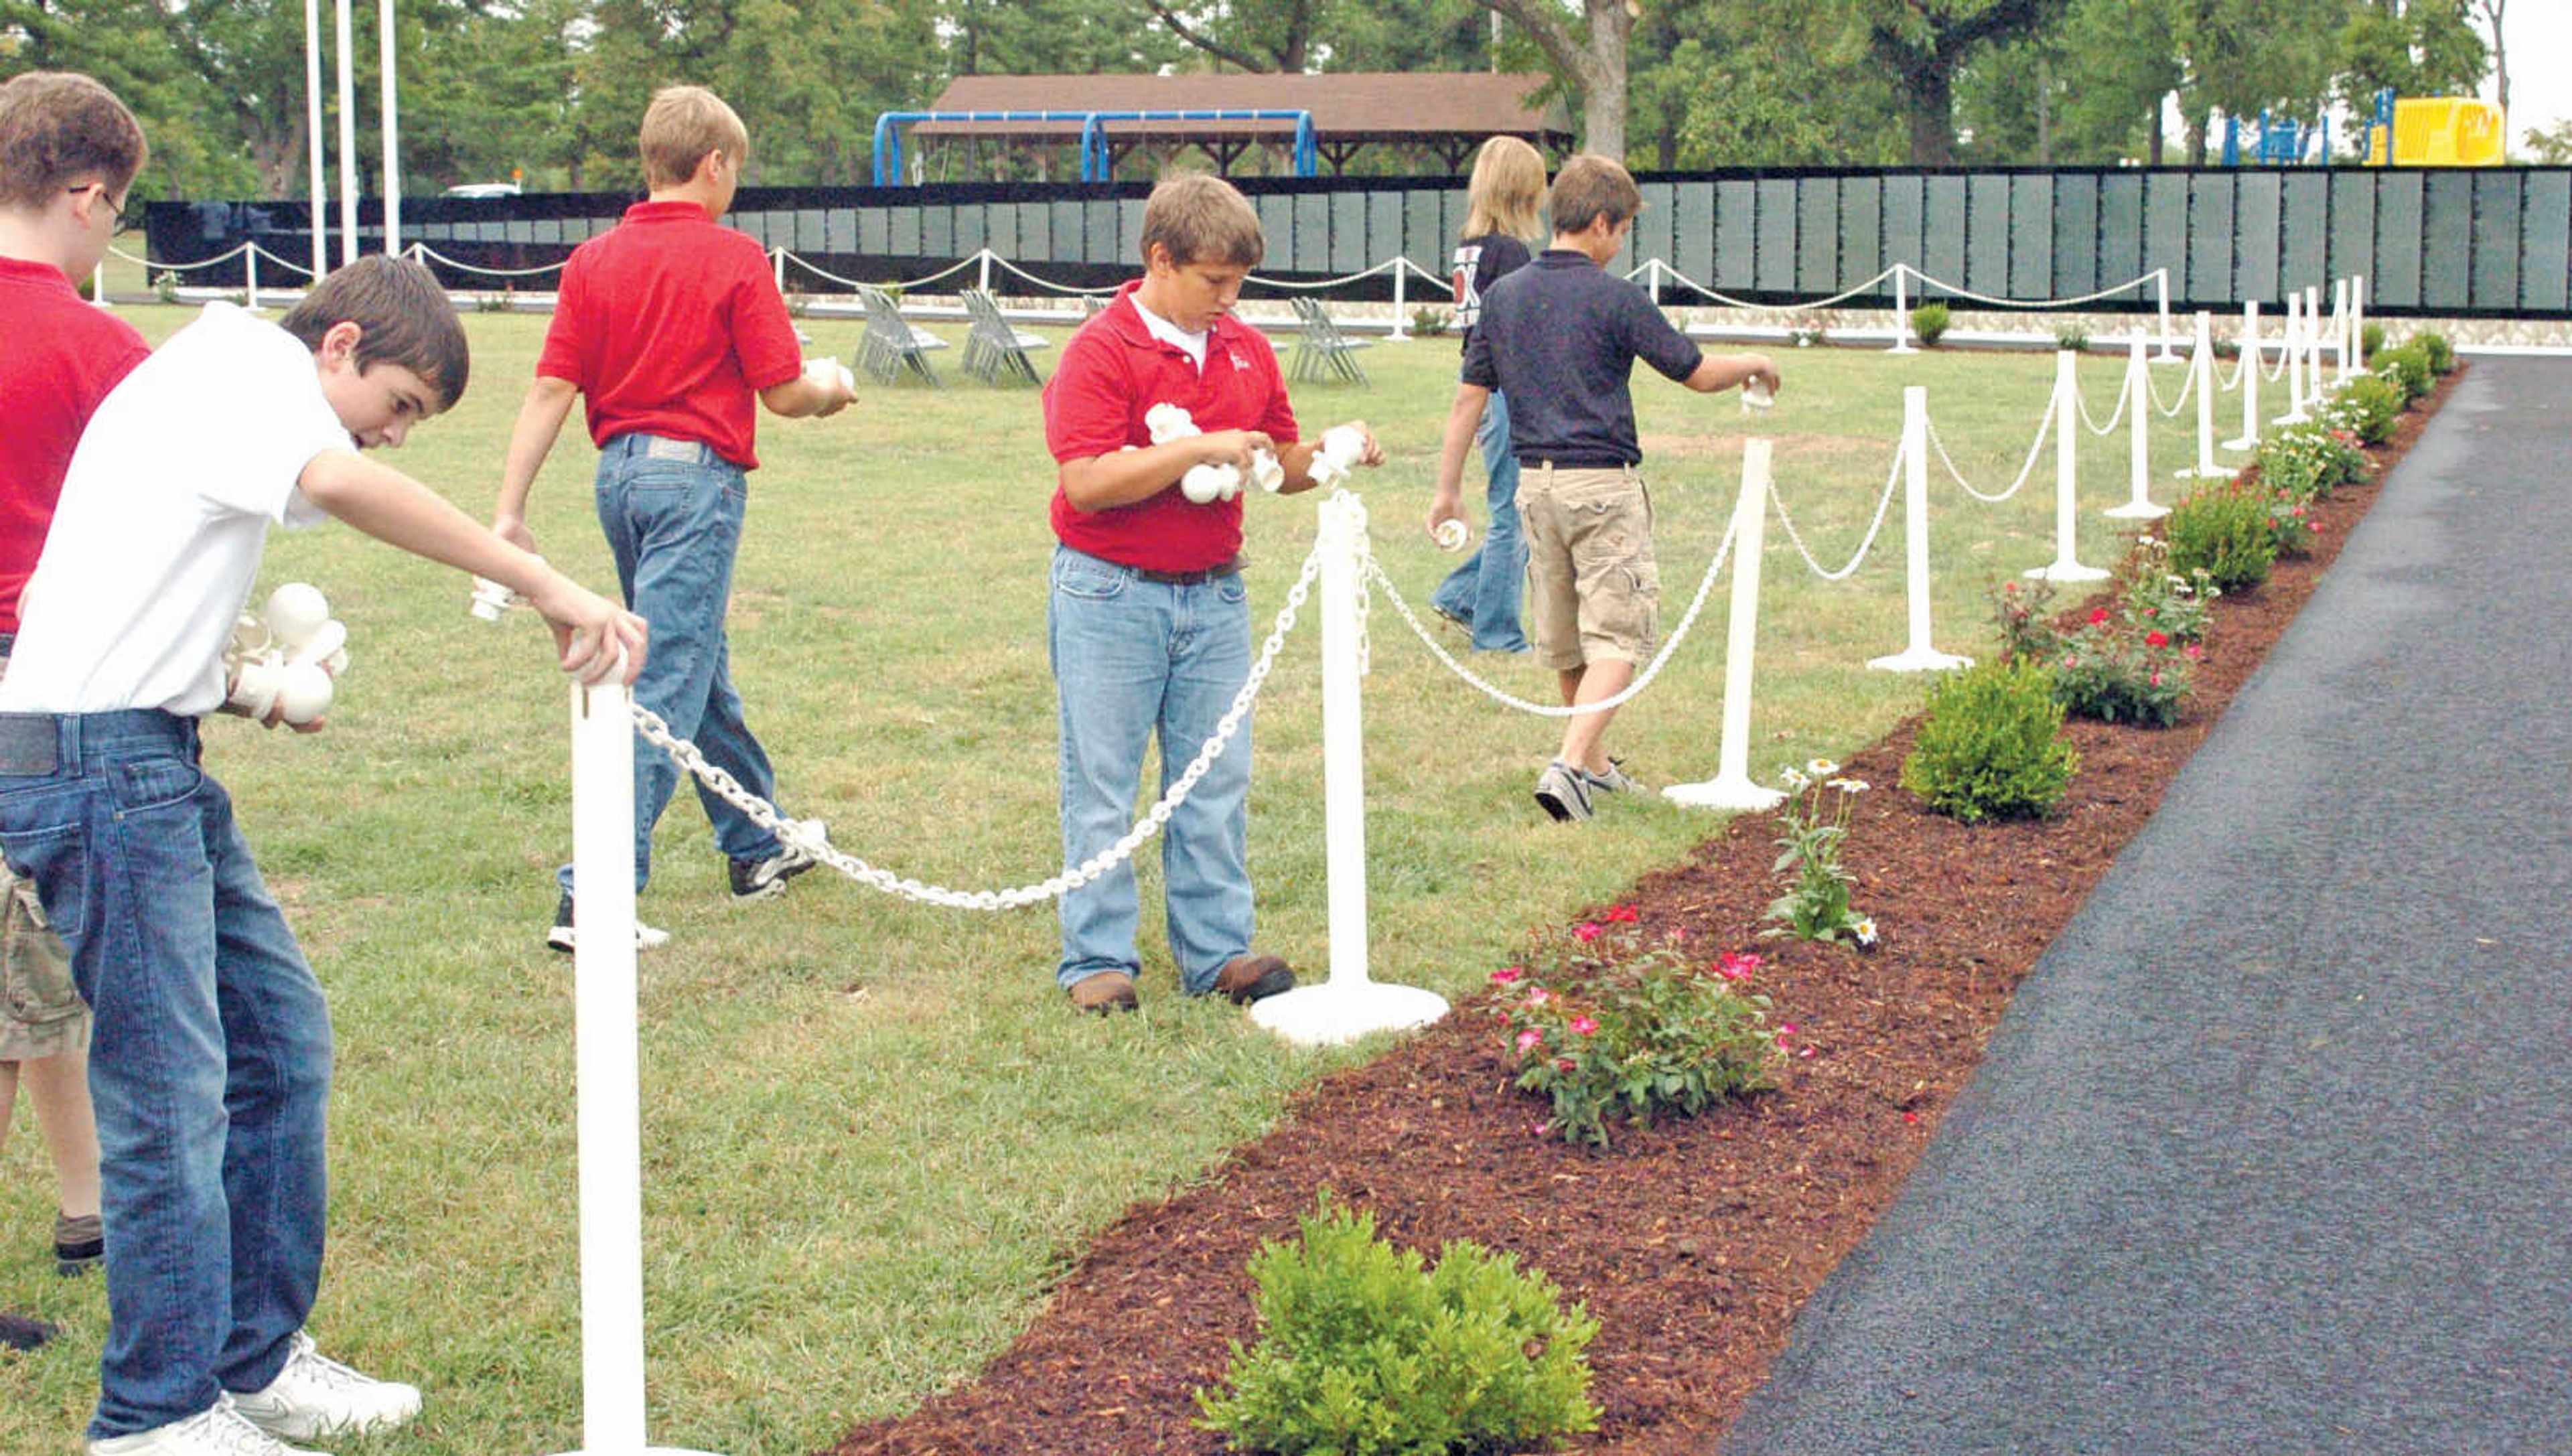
1755	395
1168	423
1265	470
295	612
1207	484
302	692
255	685
1341	447
490	598
827	371
1451	534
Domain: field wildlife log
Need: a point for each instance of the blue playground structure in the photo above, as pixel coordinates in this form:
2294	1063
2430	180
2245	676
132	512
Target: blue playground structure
2279	141
1096	163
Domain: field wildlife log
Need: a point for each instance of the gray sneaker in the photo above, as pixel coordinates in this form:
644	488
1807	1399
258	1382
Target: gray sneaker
1615	781
316	1395
1563	792
766	879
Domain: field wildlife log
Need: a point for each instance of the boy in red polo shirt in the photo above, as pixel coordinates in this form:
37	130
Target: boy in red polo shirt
669	324
1147	623
69	151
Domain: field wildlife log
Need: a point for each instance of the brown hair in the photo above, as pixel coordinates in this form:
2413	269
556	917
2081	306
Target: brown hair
402	316
1506	192
680	127
1203	219
61	129
1590	187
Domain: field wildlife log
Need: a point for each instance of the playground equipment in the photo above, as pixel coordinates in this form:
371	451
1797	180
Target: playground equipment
2437	131
1096	164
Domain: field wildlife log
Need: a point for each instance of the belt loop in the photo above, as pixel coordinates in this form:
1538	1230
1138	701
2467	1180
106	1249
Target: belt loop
67	746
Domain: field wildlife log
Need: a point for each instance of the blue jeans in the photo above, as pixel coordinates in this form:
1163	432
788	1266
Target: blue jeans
1484	592
209	1055
672	510
1134	658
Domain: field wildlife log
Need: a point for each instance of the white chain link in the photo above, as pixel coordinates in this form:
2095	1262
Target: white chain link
2122	391
2172	410
1883	503
792	832
2042	428
1374	571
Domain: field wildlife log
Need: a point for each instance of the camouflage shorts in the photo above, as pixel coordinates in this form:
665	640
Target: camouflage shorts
41	1012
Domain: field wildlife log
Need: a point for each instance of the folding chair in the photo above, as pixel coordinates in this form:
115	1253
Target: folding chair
992	346
1322	349
1092	304
889	343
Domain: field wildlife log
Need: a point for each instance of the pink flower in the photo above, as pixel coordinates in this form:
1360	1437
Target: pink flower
2192	652
2098	615
2157	679
1508	973
1737	967
1585	931
1530	1037
1563	1064
1584	1026
2155	639
1621	914
1911	1117
1539	995
1804	1050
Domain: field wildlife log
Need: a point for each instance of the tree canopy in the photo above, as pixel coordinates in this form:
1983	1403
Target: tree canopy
551	89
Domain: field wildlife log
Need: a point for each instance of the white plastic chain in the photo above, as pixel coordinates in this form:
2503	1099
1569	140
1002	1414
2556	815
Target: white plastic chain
1883	503
1373	572
906	285
1989	301
766	816
421	252
2043	426
2172	410
2091	425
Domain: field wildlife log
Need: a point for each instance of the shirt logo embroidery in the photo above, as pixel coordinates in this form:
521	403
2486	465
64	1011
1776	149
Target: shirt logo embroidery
1238	362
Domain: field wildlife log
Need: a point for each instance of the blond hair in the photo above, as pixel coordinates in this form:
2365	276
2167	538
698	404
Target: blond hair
681	125
1201	218
1506	192
1590	187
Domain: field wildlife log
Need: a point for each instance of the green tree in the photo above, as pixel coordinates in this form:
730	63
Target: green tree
1055	37
1739	83
1926	43
2416	47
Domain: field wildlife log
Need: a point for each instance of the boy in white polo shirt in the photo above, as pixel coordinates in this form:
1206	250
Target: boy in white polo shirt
209	1059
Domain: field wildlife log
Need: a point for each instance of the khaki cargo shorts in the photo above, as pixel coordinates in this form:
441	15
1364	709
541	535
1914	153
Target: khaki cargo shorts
41	1012
1594	587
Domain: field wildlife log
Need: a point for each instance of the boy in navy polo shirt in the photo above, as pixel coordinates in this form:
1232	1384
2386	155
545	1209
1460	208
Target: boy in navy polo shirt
1147	623
670	323
1559	337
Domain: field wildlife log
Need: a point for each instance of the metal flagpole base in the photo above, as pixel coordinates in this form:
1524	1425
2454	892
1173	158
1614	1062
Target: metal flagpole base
1919	659
1728	791
1343	1011
2066	571
2141	510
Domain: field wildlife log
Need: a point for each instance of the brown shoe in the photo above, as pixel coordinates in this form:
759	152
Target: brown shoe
1103	992
1250	978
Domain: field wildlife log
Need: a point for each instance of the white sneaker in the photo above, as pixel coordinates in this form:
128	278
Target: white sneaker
219	1431
317	1396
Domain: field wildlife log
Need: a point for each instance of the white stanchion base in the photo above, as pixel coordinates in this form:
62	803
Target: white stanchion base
1919	659
2066	571
2166	356
1735	791
2140	510
1343	1011
2205	473
1902	348
2298	417
2244	442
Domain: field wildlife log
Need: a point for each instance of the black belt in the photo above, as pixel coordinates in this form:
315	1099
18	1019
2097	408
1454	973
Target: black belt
1189	578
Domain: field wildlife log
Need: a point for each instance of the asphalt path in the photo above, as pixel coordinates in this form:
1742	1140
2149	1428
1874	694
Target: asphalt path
2273	1152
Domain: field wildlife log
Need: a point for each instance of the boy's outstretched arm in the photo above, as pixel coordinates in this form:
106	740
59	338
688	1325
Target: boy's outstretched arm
540	422
598	639
1719	371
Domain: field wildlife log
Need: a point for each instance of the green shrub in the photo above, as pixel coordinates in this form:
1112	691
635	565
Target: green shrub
2072	337
2409	367
2374	404
1429	322
2154	598
2306	462
1607	1024
1990	745
1929	321
2222	530
2291	525
2025	616
2370	342
2440	354
1362	1350
165	286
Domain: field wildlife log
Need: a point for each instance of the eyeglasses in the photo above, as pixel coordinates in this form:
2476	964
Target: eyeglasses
115	215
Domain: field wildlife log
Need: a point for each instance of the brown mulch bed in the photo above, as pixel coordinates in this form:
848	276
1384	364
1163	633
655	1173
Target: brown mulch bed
1695	1242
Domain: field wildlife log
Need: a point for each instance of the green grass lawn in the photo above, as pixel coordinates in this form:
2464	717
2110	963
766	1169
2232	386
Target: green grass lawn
874	1131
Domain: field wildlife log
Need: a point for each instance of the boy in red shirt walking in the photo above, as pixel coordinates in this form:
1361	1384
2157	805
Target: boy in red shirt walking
670	324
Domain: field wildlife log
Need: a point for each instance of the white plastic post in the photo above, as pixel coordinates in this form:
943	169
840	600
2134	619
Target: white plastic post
1920	656
1732	787
2294	349
2067	432
780	258
1653	281
1402	268
2201	370
2250	356
1901	314
98	285
2139	466
1347	1005
2358	316
607	1064
982	260
2160	285
2343	343
249	263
